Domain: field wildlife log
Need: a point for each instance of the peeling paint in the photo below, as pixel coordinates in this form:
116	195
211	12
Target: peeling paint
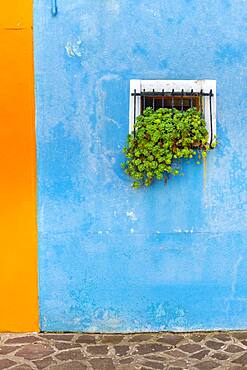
73	49
131	215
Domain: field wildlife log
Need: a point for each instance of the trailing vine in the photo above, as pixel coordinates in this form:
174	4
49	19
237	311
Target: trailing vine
161	139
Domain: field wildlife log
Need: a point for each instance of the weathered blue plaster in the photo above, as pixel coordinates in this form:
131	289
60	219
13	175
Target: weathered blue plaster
116	259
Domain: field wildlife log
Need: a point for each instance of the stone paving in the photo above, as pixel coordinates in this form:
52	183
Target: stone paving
198	350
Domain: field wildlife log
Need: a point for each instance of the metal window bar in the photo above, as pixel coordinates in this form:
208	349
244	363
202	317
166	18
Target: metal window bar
211	120
191	99
134	112
172	103
169	93
172	94
182	100
201	92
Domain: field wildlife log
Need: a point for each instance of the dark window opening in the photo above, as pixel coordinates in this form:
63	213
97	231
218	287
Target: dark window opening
157	102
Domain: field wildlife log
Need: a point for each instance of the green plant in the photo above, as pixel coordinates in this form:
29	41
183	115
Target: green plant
161	139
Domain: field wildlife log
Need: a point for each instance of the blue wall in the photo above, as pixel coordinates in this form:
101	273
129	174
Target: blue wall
116	259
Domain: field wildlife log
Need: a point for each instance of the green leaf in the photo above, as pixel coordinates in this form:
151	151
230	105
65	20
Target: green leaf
163	137
136	185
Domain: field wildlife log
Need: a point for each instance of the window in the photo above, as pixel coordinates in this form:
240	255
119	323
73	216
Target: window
179	94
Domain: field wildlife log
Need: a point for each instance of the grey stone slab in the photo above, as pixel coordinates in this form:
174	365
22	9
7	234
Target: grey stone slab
6	363
86	338
190	347
121	350
58	337
4	350
97	350
76	354
213	344
241	359
112	339
44	363
154	364
34	351
140	338
201	354
73	365
102	364
206	365
172	339
145	348
22	339
233	348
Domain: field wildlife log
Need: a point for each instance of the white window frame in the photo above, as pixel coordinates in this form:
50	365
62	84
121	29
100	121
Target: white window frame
177	85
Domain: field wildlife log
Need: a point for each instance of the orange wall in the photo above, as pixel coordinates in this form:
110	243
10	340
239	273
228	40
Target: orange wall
18	232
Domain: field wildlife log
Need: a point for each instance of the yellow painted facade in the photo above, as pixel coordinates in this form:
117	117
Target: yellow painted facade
18	229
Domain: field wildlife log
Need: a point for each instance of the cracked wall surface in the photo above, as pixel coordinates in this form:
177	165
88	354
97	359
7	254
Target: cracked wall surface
112	258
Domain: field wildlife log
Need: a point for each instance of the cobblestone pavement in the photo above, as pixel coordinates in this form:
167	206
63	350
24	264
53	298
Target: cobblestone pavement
199	351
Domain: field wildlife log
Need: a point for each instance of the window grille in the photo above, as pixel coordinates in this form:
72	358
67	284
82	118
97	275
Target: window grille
182	99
